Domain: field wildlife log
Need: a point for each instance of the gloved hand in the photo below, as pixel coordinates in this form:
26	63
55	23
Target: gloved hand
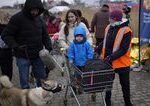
107	59
21	48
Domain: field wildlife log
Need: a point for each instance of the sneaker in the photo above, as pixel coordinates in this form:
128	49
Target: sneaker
108	102
129	104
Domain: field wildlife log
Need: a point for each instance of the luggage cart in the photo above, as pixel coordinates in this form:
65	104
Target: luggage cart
93	81
59	59
59	56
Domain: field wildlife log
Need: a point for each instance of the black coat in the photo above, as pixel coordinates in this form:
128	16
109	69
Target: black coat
28	31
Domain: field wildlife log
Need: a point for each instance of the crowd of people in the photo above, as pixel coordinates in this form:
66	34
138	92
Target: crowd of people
27	32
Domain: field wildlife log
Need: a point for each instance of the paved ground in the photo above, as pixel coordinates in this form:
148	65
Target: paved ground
140	90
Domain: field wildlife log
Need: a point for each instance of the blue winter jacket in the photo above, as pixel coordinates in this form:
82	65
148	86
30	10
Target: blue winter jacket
79	53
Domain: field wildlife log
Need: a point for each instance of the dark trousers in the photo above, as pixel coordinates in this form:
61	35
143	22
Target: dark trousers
7	68
6	64
125	84
99	40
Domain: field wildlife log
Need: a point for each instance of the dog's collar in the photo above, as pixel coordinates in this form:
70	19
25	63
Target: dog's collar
54	90
47	89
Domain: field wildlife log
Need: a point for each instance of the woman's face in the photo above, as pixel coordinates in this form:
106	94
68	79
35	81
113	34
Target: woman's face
71	18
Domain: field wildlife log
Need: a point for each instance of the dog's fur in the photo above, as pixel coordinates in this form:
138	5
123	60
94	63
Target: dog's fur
12	96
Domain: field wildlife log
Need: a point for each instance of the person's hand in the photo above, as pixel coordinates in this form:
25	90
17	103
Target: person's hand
71	61
44	52
93	46
107	59
55	37
91	31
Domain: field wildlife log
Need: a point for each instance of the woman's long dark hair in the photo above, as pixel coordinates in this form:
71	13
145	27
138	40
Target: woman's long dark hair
66	28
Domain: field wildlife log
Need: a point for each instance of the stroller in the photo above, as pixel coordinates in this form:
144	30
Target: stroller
96	76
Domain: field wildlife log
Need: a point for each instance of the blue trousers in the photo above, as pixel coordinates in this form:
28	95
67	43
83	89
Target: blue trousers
37	69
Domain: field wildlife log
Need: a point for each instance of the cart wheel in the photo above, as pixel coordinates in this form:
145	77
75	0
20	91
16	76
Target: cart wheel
65	102
62	74
93	97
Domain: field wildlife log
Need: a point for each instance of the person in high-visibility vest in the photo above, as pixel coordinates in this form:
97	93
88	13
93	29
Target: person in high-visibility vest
116	51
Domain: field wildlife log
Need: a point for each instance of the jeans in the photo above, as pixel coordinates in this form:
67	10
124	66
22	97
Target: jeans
37	69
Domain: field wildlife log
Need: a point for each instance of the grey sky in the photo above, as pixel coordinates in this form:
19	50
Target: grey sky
11	2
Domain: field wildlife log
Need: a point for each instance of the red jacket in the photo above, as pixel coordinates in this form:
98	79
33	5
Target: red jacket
52	29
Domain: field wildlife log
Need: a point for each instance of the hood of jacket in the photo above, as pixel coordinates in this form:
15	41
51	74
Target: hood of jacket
31	4
80	30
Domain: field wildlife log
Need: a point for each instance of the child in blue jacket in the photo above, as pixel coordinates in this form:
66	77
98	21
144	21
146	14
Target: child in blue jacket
79	50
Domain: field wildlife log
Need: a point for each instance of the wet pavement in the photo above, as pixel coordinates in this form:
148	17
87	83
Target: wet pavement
139	82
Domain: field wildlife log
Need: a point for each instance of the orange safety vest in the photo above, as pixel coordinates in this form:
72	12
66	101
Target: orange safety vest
123	61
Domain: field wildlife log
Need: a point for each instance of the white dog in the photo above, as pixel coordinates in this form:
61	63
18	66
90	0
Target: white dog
12	96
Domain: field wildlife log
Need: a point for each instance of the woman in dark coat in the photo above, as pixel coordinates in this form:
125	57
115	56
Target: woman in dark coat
5	52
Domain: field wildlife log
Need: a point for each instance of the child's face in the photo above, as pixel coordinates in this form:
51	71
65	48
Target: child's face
79	38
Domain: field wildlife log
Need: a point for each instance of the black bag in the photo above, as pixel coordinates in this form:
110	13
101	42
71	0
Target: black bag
96	65
97	76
